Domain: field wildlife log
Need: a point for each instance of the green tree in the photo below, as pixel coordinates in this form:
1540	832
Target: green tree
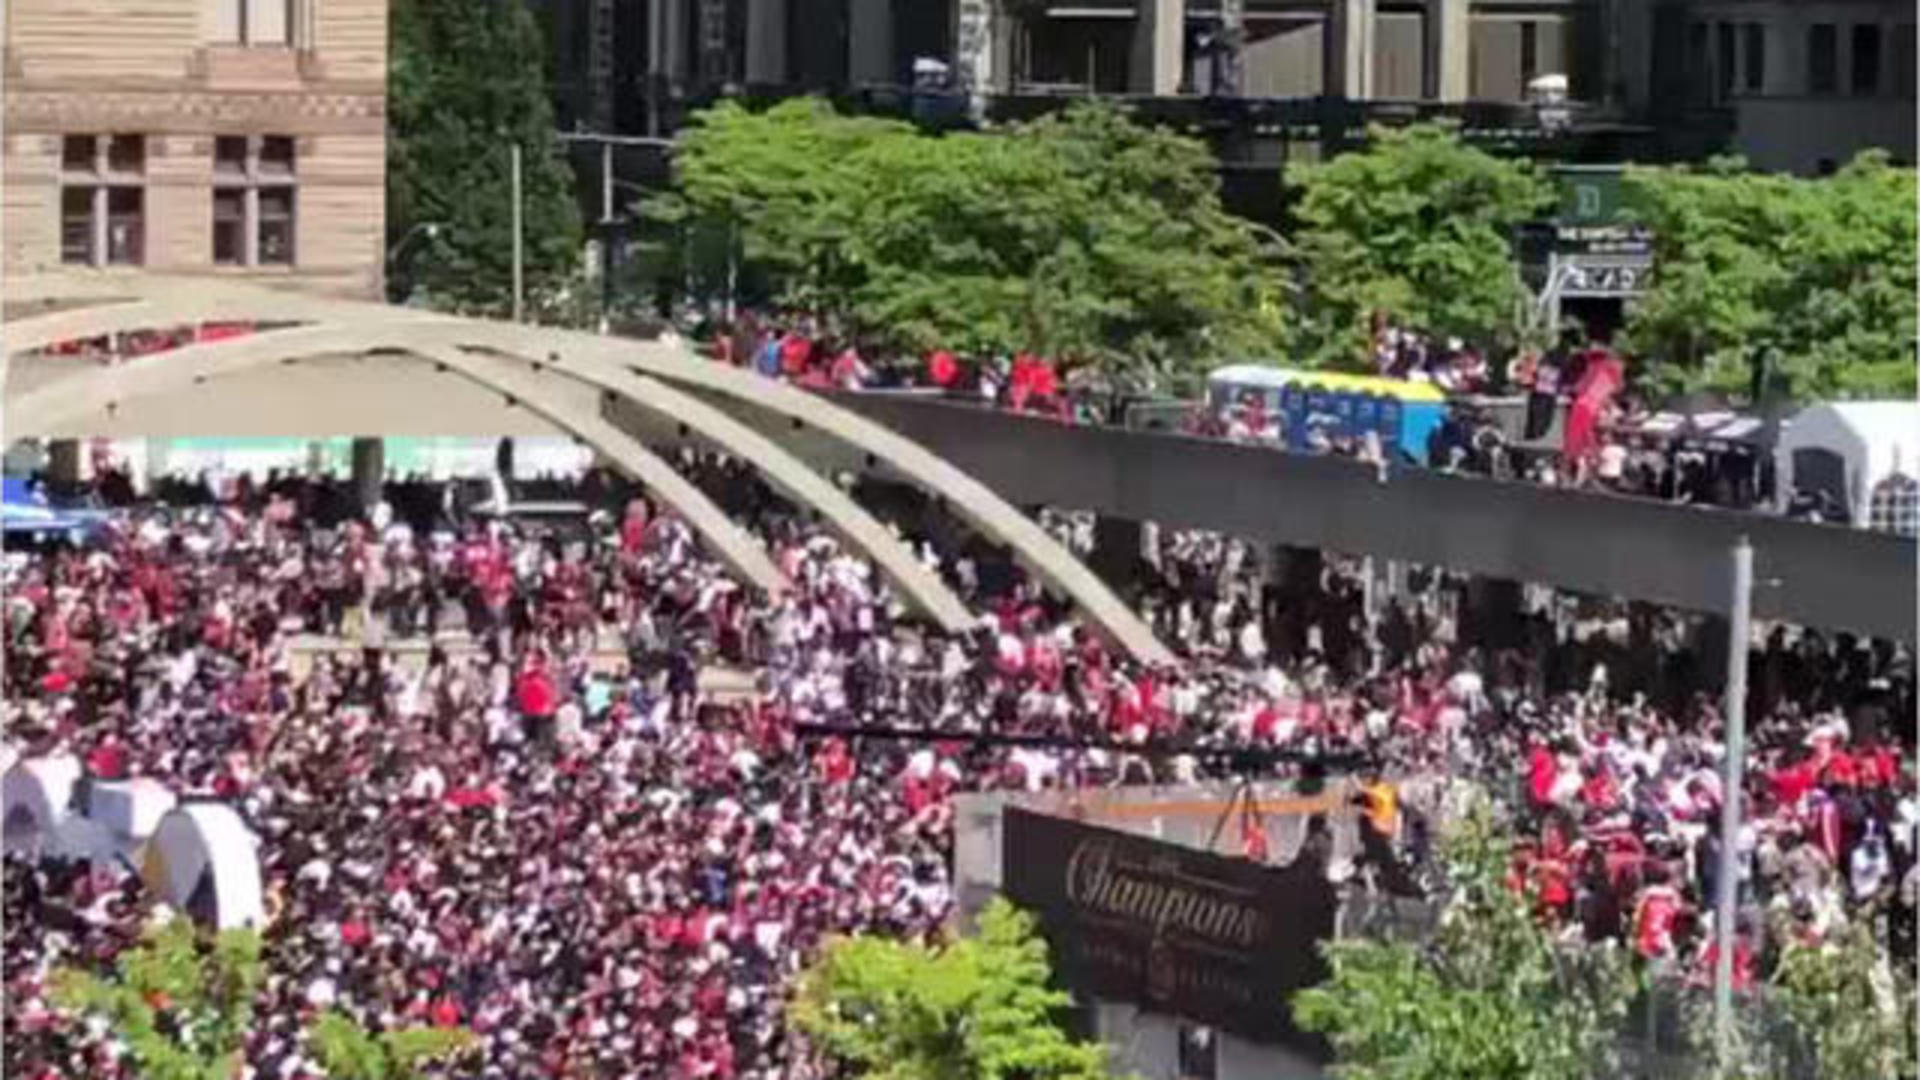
977	1009
349	1052
1817	275
1847	1006
181	1002
1491	995
1418	225
1083	235
466	81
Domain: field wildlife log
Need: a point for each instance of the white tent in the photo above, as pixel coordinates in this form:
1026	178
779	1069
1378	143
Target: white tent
205	861
35	794
1851	445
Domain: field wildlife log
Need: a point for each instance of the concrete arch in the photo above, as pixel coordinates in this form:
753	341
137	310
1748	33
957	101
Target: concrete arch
46	407
570	350
922	588
97	389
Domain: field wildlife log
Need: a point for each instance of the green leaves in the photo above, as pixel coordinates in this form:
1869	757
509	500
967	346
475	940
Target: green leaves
1081	235
350	1052
1817	274
1419	225
976	1009
183	1004
465	84
1490	996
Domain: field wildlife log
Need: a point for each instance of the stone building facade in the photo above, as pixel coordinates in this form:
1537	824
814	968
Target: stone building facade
243	137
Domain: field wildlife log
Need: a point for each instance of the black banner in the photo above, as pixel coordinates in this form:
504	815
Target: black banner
1173	929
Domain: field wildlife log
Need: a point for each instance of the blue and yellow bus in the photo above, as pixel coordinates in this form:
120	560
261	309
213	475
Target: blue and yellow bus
1404	413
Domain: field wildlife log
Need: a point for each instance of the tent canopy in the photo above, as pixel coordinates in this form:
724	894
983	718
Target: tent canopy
36	792
203	860
1871	440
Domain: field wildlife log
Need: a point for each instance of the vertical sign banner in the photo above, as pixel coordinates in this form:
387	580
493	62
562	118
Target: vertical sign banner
1173	929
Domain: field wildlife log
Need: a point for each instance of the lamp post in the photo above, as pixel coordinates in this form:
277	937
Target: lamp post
429	229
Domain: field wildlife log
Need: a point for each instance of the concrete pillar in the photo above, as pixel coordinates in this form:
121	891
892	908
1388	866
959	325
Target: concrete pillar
766	42
1116	550
870	42
1159	47
369	470
973	45
1349	48
1449	26
66	465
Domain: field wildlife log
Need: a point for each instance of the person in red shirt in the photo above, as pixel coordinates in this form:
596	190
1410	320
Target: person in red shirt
795	351
1655	915
943	370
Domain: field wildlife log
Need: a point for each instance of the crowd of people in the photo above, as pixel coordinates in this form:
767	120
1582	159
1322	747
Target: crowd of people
547	834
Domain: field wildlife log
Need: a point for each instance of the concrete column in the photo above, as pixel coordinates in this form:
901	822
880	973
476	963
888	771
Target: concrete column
1159	47
1449	30
973	51
369	470
1349	47
870	41
766	42
1116	550
66	465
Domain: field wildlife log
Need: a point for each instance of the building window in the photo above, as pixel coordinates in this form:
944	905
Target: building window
1723	67
276	226
253	22
76	225
103	200
254	200
126	225
229	227
1823	43
1903	60
1866	59
1699	78
1756	70
1529	53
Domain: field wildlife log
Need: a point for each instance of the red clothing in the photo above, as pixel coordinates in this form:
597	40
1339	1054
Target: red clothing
795	350
536	694
942	369
1654	922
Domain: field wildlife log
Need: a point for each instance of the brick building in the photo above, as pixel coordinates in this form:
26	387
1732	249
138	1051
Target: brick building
227	136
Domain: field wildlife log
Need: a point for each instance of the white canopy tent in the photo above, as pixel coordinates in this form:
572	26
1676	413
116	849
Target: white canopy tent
1863	441
36	793
204	860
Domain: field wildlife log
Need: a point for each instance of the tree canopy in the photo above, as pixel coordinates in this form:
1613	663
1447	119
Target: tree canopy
465	82
1491	995
182	1005
1815	277
1418	226
1082	234
976	1009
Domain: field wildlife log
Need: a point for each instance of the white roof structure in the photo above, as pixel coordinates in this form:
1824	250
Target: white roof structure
205	861
35	793
1872	439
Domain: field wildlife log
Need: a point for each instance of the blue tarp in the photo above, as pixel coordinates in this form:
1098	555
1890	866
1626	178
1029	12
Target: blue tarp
25	511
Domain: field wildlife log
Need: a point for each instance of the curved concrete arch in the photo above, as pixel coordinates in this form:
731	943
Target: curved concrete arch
921	587
978	504
47	407
97	389
732	544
